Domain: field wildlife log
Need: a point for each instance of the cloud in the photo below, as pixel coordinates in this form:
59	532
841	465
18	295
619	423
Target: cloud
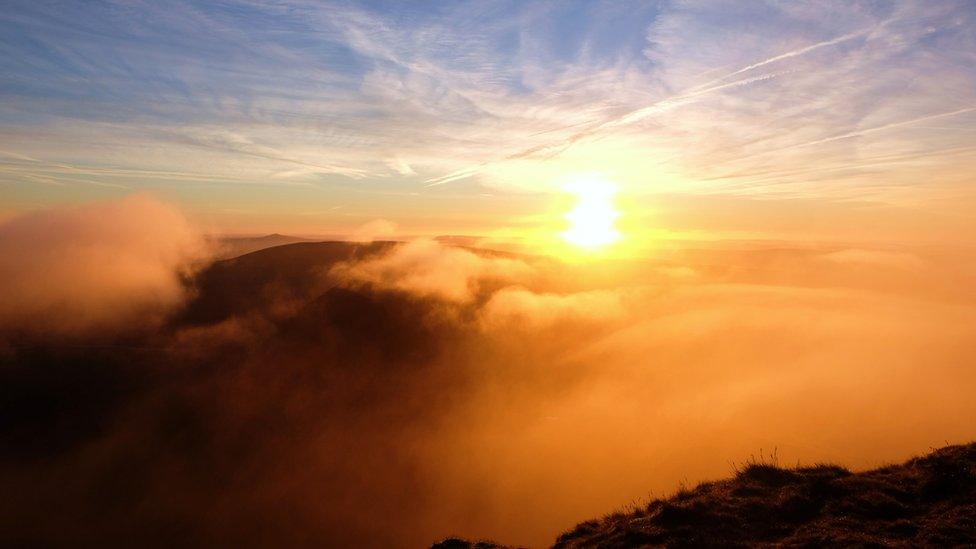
376	229
100	266
550	393
518	308
796	52
801	100
429	269
900	260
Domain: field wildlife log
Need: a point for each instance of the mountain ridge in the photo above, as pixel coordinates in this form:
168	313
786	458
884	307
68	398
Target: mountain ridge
925	501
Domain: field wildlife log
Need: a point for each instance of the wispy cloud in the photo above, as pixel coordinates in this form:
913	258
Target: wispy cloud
509	95
794	53
890	126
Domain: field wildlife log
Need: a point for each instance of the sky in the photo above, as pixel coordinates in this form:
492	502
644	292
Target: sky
820	121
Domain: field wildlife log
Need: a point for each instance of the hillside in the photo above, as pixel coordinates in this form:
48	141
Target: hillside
227	247
254	281
926	501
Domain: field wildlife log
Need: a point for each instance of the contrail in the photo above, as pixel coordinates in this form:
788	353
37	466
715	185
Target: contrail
794	53
677	101
849	135
454	176
668	103
884	127
629	118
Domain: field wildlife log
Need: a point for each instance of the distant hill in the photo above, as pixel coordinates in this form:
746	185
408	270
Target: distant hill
924	502
273	274
233	246
277	274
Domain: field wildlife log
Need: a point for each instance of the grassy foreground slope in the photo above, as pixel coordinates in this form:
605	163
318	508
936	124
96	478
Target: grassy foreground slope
926	501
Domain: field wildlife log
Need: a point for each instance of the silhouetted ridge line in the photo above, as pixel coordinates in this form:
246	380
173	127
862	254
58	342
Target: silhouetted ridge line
927	501
253	281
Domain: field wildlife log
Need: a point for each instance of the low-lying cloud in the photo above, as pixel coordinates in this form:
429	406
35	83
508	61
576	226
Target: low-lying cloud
429	269
386	395
94	267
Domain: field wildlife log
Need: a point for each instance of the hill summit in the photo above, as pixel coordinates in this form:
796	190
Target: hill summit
926	501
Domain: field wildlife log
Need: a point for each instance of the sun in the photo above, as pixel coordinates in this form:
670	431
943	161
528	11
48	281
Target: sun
591	221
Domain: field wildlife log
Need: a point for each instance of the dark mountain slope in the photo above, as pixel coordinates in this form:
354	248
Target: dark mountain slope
927	501
273	275
233	246
292	427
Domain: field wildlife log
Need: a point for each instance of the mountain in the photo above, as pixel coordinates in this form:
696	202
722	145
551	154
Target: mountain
926	501
272	384
261	278
233	246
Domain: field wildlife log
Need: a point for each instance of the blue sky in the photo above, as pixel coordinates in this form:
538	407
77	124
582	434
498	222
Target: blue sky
470	113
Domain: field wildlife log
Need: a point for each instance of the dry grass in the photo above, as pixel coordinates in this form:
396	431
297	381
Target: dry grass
927	501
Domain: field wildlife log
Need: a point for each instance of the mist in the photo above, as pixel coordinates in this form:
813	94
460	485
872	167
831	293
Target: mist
82	269
386	394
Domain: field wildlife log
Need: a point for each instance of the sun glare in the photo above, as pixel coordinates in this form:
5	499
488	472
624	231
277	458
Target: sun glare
591	221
